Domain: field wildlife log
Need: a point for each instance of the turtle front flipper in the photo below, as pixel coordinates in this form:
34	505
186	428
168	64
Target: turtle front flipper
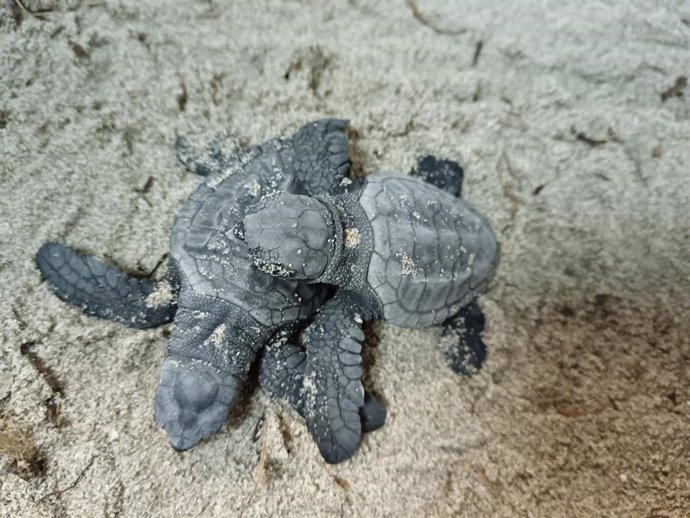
333	390
318	157
321	158
105	291
281	375
444	174
467	356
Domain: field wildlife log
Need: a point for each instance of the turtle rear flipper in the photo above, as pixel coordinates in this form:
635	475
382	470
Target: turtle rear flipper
444	174
281	375
105	291
467	356
373	413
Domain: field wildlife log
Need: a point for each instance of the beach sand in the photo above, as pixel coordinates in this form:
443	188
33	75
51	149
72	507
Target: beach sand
570	149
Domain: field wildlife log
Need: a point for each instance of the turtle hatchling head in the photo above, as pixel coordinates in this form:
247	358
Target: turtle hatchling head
291	236
192	401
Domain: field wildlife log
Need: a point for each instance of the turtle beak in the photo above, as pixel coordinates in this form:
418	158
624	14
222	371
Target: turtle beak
181	442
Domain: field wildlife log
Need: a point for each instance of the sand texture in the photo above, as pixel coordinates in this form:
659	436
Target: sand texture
571	150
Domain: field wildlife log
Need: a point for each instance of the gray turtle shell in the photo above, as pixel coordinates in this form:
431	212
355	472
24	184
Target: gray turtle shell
207	247
432	252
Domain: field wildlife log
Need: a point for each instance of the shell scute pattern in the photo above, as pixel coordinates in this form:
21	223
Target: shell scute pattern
423	237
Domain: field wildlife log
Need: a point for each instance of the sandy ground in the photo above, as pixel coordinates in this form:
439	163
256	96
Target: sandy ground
556	110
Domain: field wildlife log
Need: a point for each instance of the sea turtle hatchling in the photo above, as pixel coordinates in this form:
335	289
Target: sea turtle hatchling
403	249
224	309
